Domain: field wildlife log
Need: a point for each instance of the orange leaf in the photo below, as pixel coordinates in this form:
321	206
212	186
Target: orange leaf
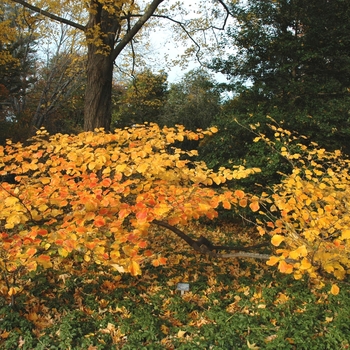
240	194
99	221
155	262
142	244
123	213
44	260
226	204
106	182
42	232
141	215
30	252
148	253
254	206
284	267
243	202
162	261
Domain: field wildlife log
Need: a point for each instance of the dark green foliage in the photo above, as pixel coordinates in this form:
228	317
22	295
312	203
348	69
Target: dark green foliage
230	305
193	102
16	76
141	100
292	63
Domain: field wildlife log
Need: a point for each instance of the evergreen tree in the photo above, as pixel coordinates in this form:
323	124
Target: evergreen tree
293	63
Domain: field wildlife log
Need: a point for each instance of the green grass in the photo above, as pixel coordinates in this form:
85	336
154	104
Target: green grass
232	304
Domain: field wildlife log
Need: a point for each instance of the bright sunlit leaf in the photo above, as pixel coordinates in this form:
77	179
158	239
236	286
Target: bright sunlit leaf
334	289
276	240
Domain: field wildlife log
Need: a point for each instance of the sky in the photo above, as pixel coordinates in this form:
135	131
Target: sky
163	44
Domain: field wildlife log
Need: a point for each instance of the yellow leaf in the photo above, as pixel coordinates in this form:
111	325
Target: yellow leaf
305	264
301	251
62	252
345	234
87	258
45	180
252	346
164	329
335	289
181	334
11	201
13	291
119	268
142	168
12	221
42	207
276	240
273	260
134	268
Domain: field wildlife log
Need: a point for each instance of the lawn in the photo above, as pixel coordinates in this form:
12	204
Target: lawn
231	304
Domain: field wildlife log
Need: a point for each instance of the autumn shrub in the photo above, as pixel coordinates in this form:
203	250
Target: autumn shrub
307	214
90	198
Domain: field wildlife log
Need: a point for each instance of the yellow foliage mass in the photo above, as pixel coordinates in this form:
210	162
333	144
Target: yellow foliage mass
91	197
310	211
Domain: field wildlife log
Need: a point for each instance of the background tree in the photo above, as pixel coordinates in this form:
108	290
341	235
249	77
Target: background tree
109	27
142	99
296	56
292	63
42	83
193	102
17	69
59	91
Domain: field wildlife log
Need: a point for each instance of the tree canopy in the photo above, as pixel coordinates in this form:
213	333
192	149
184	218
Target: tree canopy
292	62
110	27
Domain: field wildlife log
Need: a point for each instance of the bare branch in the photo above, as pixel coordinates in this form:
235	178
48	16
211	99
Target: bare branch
228	12
50	15
204	242
204	246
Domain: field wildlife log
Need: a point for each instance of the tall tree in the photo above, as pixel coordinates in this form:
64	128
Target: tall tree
17	69
111	26
292	61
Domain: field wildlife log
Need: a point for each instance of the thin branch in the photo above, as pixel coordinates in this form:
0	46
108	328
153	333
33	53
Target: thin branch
183	27
135	29
50	15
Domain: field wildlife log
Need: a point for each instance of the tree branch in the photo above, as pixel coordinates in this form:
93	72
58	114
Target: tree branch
50	15
203	242
204	246
135	29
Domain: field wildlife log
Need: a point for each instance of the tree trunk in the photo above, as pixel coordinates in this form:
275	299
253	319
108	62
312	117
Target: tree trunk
100	34
98	94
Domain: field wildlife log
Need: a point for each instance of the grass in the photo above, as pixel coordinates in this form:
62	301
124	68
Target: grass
232	304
